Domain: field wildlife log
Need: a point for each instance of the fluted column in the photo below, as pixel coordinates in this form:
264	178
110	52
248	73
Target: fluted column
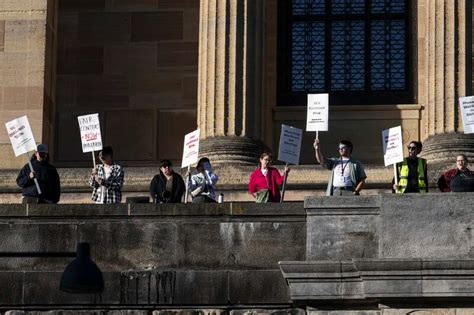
447	81
230	87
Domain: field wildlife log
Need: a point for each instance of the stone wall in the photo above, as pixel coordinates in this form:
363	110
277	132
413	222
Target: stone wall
168	255
22	69
133	62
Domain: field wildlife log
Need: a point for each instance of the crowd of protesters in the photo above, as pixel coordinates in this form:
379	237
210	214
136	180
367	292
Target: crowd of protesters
347	177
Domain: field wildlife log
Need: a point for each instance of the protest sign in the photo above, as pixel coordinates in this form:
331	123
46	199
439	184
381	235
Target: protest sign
21	136
392	145
191	148
91	138
290	144
467	112
318	112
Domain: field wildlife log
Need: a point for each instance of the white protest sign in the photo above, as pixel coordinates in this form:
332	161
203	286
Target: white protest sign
21	136
392	145
290	144
191	148
91	139
467	112
318	112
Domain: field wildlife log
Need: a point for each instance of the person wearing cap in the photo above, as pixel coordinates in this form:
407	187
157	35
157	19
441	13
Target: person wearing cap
107	179
167	186
412	172
347	176
46	175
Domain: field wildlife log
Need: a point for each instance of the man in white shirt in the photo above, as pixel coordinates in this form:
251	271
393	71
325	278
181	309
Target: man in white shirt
348	175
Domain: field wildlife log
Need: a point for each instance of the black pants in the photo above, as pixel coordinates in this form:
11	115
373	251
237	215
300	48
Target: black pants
203	199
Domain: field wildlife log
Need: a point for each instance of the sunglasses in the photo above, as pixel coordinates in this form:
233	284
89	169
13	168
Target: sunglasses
342	147
411	148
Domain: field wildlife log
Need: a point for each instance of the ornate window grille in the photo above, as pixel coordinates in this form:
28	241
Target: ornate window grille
358	51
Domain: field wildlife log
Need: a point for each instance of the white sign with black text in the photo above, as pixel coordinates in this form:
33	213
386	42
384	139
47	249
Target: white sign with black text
191	148
290	144
91	138
21	136
318	112
467	112
392	145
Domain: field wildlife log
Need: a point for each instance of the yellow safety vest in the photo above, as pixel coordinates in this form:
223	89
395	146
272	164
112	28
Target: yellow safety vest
403	171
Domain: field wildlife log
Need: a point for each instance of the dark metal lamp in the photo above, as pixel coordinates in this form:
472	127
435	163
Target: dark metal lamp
82	275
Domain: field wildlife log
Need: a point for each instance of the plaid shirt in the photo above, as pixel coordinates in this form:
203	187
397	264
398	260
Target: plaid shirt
111	189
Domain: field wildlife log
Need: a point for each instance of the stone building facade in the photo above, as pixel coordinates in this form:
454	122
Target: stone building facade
157	69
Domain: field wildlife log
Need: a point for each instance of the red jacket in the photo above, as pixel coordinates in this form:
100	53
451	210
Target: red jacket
444	182
271	182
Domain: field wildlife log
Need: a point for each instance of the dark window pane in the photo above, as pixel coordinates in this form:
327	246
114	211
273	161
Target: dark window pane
305	7
348	6
307	73
347	56
388	51
388	6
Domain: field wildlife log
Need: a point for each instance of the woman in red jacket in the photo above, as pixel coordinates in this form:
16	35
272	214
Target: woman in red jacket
265	181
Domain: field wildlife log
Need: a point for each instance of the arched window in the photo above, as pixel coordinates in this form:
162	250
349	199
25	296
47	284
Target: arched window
358	51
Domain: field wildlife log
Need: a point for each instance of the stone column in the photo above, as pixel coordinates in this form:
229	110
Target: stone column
447	81
230	86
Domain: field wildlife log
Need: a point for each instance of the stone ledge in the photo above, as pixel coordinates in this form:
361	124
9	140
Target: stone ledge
317	282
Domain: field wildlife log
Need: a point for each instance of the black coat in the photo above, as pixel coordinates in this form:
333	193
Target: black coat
158	186
48	180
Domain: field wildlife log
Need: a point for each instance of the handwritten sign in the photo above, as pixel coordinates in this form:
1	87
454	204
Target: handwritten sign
290	144
318	112
392	145
467	112
91	139
191	148
21	136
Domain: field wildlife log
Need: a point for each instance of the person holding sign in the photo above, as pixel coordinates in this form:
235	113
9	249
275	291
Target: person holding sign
168	186
46	175
412	173
459	178
203	184
265	181
348	175
107	179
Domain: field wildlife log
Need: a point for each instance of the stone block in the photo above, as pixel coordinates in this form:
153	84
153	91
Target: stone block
440	226
2	35
267	311
75	210
12	210
132	5
263	244
189	90
342	237
287	209
34	97
130	58
18	236
43	288
212	287
146	287
69	146
137	133
190	312
177	54
155	26
104	27
102	91
252	286
160	211
11	293
204	245
81	5
114	244
178	4
167	120
81	60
